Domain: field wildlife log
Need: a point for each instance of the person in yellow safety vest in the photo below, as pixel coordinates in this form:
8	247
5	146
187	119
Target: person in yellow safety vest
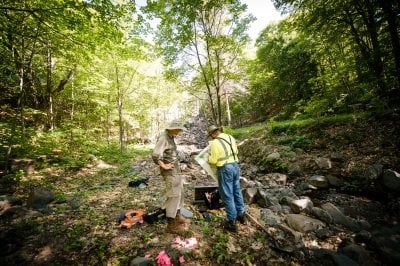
224	155
166	156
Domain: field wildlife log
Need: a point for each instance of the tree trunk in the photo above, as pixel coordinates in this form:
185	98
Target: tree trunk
371	59
205	78
21	99
390	16
377	63
228	110
71	114
108	126
50	114
21	74
72	103
218	87
119	100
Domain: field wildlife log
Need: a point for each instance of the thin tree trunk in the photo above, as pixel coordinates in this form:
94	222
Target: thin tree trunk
228	110
50	114
72	102
121	126
21	71
108	126
72	111
21	99
205	77
218	88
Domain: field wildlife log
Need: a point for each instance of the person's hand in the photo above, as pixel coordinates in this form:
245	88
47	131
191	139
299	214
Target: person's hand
166	166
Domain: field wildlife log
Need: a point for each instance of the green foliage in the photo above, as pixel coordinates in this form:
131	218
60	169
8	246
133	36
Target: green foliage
290	125
100	246
112	153
219	251
194	45
74	245
60	197
323	59
11	180
74	234
241	132
295	125
296	141
275	166
280	75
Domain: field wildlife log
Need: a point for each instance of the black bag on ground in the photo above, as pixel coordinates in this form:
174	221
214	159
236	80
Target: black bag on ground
138	182
213	200
154	216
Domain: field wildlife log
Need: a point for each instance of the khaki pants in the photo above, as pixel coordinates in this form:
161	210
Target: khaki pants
174	194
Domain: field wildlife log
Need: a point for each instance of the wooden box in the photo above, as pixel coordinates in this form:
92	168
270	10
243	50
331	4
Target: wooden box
199	192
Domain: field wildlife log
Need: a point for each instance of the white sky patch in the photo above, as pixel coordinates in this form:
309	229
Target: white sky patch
265	13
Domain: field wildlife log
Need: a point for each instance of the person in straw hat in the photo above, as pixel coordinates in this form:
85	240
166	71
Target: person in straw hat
224	155
165	155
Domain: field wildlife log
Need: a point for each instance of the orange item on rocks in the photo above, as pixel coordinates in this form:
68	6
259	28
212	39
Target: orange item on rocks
131	218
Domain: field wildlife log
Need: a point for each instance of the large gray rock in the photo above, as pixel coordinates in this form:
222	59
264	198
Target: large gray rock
295	168
374	171
323	163
318	181
273	179
303	223
266	199
270	218
300	205
339	218
249	195
40	197
391	180
334	181
322	215
278	178
275	156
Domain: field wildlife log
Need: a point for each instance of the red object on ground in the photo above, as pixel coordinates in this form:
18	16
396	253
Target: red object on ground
131	217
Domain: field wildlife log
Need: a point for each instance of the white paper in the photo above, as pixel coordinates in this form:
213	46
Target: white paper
202	159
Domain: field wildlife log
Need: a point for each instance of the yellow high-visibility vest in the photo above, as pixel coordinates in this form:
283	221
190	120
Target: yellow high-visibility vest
223	150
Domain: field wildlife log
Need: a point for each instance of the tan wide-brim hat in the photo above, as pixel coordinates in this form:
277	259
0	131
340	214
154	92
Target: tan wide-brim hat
212	129
175	125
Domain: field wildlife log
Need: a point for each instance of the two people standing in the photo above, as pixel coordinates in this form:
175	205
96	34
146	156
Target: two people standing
223	154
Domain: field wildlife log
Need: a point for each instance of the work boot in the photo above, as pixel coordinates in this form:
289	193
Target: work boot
230	226
242	218
174	227
181	219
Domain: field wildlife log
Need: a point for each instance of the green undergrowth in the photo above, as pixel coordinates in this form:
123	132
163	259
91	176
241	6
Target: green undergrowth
293	127
245	132
69	152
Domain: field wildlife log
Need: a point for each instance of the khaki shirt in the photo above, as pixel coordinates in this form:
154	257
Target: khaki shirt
165	150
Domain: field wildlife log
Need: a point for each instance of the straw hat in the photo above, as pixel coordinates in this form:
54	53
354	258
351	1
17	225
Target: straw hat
175	125
212	129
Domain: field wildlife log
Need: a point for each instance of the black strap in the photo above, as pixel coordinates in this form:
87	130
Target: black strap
230	145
